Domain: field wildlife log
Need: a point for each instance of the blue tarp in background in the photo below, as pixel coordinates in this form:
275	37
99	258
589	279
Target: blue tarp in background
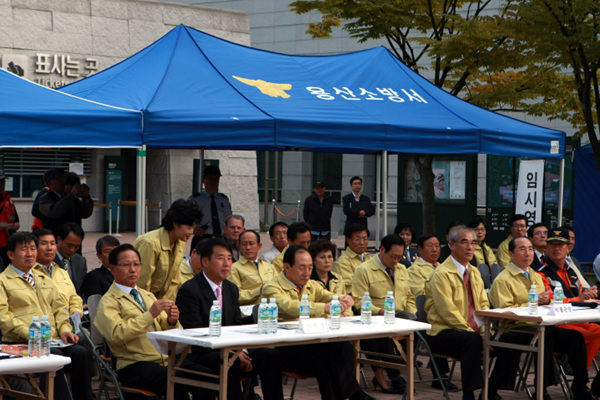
586	220
196	90
34	116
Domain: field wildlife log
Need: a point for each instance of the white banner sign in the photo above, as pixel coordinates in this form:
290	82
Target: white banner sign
530	190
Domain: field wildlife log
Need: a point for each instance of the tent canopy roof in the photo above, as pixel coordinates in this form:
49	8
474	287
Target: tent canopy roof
32	115
197	90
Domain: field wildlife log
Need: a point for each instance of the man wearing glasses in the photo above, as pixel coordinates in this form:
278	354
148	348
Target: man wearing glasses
518	228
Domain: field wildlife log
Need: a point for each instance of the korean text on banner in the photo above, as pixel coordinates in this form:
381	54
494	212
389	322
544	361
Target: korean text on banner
530	190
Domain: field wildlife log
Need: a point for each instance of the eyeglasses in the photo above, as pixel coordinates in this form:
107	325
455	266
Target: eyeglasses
520	226
538	233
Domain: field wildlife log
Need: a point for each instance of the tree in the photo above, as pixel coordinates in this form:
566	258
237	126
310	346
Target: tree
456	44
565	36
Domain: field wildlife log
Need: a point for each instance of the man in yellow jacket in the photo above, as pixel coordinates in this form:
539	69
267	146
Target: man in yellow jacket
518	228
26	292
46	251
454	292
378	276
357	238
125	314
330	362
250	273
297	233
419	273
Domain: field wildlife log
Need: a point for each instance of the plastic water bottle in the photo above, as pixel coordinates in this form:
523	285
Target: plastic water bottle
533	300
304	307
45	334
274	315
264	317
366	306
389	309
559	297
34	337
335	314
214	328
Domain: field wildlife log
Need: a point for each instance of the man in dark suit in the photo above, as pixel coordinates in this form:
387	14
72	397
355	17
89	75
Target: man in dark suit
61	204
68	241
195	299
357	207
538	233
99	280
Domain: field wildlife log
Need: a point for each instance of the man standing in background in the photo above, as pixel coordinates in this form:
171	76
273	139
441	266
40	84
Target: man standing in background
317	213
357	207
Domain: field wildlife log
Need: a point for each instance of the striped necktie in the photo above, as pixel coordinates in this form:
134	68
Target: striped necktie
134	293
29	278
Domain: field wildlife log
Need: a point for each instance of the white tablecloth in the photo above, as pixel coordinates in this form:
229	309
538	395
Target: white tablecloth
579	314
27	365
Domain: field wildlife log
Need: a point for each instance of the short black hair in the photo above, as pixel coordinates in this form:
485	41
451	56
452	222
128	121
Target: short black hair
534	227
406	225
113	256
68	227
512	244
107	240
251	231
208	245
51	174
295	228
516	217
183	212
272	228
355	178
451	225
71	178
17	238
569	228
290	254
423	238
392	239
321	245
478	219
355	227
42	232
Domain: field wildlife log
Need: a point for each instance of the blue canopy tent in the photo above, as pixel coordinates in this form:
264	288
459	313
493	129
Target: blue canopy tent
587	214
32	115
196	90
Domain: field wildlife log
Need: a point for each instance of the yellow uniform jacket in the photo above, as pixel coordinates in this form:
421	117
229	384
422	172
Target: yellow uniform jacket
288	298
185	272
447	304
371	276
489	254
65	287
511	289
418	275
336	286
19	302
124	324
160	264
278	261
502	252
346	265
250	279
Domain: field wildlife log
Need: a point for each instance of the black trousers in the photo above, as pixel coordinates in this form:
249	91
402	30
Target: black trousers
558	339
331	363
79	369
148	375
265	362
465	346
384	346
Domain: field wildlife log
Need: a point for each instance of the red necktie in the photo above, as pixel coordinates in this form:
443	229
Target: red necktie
472	322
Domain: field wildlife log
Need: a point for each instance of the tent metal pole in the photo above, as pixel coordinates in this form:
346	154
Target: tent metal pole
201	185
275	184
266	198
378	198
561	191
140	204
384	176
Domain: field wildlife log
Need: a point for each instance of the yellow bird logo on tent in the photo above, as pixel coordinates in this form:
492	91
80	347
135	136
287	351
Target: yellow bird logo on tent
268	88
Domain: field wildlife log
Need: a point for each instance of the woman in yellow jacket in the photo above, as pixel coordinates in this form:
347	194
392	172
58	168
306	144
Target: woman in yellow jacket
323	254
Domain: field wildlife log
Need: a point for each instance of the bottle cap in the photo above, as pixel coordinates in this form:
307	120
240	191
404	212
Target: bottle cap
304	297
272	300
35	318
367	293
335	297
263	300
390	293
215	302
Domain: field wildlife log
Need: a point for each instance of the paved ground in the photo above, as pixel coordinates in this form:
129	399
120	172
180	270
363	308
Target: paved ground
307	389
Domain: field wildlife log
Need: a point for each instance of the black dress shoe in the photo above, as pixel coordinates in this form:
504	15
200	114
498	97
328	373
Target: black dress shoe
583	393
390	390
450	387
400	385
